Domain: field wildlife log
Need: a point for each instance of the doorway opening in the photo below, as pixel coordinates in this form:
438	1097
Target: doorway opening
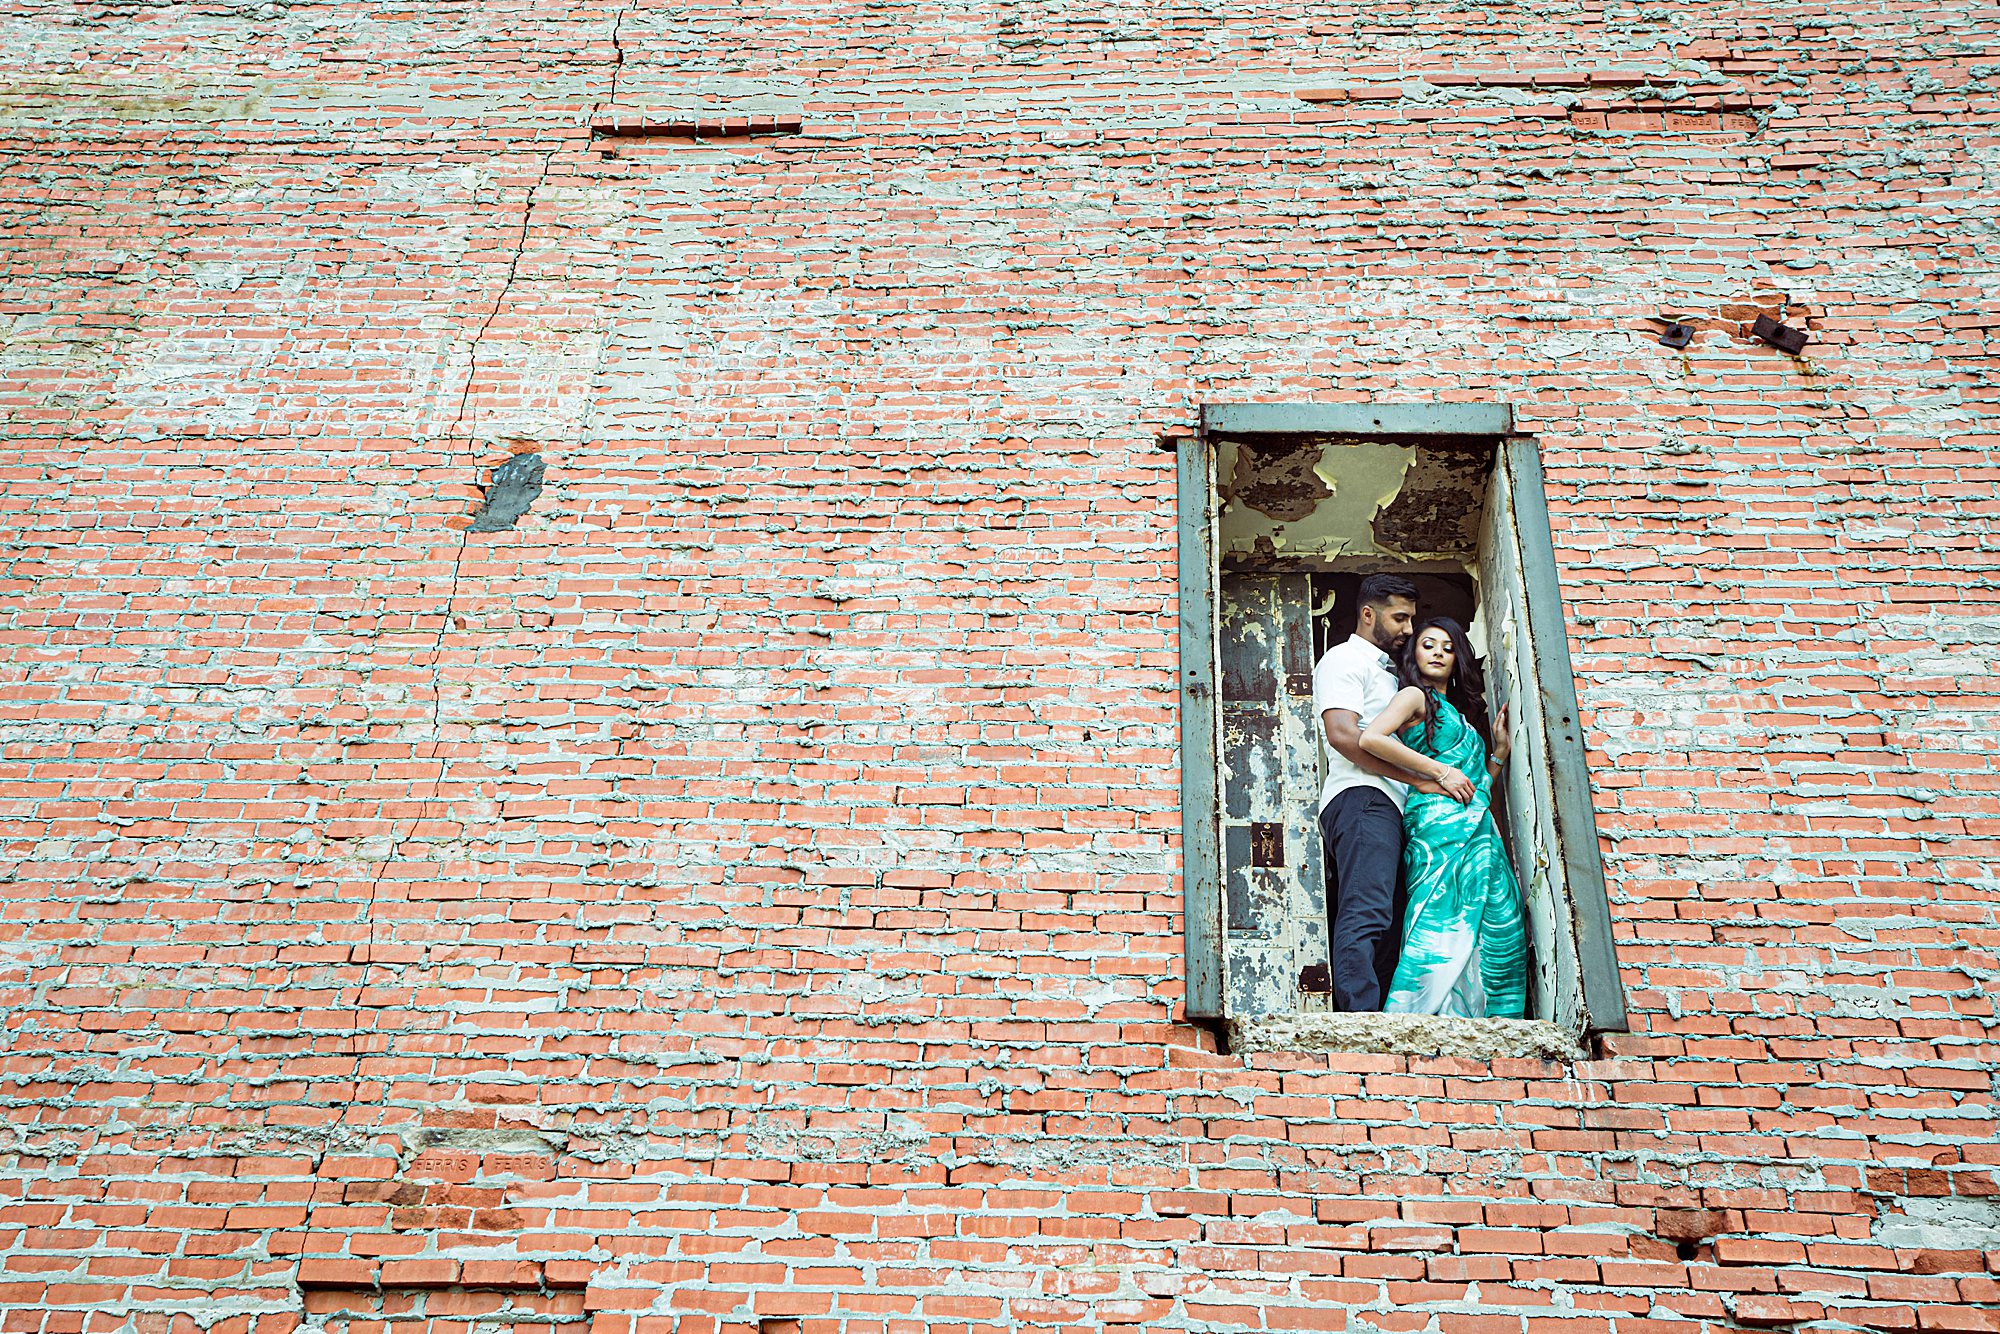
1283	511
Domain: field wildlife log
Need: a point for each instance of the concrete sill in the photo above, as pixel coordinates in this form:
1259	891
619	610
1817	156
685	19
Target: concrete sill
1404	1035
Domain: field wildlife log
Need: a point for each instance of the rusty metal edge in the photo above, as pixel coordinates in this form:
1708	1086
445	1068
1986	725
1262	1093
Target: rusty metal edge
1569	776
1201	839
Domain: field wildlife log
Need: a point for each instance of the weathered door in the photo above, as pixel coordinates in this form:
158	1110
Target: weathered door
1274	894
1550	827
1524	783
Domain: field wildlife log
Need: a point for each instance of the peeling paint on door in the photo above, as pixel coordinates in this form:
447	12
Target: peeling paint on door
1273	881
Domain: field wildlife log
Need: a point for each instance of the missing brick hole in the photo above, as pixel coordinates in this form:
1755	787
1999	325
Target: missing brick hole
626	124
779	1325
1687	1229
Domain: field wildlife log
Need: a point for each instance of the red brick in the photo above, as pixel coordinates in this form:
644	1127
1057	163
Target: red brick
331	1271
1758	1251
1763	1309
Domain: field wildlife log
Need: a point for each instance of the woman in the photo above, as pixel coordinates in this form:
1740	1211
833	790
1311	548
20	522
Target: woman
1464	945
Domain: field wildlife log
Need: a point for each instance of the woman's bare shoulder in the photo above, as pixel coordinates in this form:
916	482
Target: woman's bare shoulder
1404	705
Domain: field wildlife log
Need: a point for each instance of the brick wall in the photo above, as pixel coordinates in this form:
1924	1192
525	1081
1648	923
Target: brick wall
742	895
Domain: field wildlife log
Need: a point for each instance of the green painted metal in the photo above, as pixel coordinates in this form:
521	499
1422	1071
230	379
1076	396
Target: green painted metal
1575	818
1201	816
1234	419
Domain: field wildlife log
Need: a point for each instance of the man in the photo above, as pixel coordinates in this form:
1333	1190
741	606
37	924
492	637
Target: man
1361	803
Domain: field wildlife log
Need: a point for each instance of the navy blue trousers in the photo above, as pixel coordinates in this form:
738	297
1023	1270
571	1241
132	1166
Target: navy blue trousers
1363	834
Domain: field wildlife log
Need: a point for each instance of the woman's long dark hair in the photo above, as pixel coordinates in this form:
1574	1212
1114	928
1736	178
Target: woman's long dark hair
1466	689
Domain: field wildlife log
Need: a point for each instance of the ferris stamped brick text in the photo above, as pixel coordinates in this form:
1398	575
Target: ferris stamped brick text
723	872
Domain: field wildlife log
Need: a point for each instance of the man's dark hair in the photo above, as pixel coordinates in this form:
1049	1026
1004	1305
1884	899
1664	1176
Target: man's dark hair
1377	589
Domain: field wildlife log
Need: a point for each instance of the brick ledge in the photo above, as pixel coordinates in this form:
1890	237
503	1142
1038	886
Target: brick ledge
1404	1035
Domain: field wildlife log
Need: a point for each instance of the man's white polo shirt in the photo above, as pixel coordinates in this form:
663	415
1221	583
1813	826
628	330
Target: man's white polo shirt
1357	676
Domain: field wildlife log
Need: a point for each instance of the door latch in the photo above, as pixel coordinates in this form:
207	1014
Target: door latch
1267	845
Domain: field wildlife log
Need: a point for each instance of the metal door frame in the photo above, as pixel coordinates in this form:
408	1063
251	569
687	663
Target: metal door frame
1200	670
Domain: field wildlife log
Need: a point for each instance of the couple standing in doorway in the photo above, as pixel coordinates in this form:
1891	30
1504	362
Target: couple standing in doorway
1425	913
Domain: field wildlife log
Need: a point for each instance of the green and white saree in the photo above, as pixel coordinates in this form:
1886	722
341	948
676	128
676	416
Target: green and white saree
1464	942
